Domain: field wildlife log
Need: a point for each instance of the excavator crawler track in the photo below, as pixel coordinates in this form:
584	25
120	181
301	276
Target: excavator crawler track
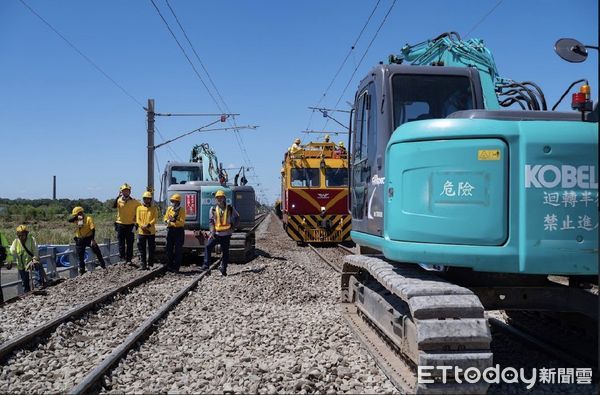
423	318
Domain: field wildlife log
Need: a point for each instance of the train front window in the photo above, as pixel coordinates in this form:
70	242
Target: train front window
304	178
181	175
336	177
419	97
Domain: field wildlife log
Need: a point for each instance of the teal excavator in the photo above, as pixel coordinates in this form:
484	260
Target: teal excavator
197	181
461	203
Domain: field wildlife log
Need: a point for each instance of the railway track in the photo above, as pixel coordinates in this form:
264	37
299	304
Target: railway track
75	350
46	328
335	266
140	333
402	373
127	313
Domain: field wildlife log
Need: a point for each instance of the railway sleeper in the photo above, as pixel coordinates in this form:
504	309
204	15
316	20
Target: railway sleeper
429	321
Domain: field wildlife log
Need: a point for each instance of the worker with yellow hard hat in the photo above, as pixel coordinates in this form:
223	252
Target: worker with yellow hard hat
126	207
5	257
145	217
175	220
85	232
25	254
295	147
223	219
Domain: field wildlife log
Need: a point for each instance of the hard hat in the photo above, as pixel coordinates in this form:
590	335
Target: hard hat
220	193
147	194
297	141
341	144
22	228
327	137
125	186
176	197
77	210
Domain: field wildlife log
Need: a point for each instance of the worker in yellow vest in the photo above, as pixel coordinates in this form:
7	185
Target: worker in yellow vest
223	220
126	207
5	257
25	254
85	232
175	220
145	217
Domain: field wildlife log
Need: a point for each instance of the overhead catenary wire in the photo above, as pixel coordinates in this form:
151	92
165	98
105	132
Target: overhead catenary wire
82	54
483	18
172	152
245	157
337	73
185	54
196	53
364	55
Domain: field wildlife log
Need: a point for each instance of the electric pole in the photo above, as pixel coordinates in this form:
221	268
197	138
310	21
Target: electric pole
150	117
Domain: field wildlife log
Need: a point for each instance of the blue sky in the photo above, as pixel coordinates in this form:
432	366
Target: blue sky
270	60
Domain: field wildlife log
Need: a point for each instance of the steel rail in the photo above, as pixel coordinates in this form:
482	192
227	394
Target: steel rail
88	382
46	328
335	267
347	249
258	219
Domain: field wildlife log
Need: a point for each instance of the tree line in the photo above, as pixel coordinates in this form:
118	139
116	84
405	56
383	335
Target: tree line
48	209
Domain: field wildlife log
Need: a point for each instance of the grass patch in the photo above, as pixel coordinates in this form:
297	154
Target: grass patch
59	231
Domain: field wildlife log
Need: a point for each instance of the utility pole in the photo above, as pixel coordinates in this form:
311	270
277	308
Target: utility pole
150	116
53	187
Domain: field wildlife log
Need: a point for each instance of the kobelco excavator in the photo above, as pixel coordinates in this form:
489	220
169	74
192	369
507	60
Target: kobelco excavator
197	181
466	205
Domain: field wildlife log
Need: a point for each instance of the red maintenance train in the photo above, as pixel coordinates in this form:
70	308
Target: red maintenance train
314	193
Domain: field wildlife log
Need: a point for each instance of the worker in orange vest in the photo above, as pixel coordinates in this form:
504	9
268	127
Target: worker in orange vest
223	220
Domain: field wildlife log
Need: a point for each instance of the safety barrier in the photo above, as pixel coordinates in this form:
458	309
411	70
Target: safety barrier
109	250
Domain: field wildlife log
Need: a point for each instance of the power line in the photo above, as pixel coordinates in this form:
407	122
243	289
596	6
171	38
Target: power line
365	53
245	157
196	53
239	140
483	18
83	55
174	154
185	54
344	61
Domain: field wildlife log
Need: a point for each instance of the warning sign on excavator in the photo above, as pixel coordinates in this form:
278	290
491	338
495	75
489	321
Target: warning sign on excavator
488	154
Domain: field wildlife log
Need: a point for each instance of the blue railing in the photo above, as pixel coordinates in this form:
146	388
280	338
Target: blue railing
109	250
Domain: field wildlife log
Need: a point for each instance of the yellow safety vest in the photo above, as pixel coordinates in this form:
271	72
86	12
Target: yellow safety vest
222	219
20	256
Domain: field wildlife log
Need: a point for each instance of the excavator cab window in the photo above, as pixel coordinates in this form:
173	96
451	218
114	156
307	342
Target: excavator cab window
182	175
419	97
